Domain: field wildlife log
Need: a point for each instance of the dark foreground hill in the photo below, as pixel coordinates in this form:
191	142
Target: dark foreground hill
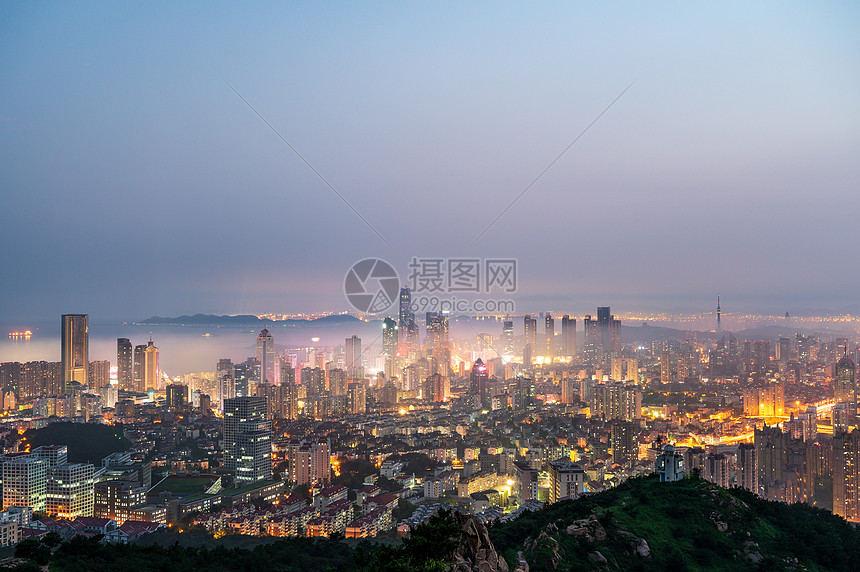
641	525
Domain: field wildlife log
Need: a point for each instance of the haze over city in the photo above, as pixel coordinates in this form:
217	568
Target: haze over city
137	183
382	287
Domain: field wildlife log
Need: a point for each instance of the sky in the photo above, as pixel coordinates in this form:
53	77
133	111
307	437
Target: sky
136	182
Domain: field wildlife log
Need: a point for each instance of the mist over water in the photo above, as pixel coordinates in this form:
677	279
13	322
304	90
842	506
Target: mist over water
181	349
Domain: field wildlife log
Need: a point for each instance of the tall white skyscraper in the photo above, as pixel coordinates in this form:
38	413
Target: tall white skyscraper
266	357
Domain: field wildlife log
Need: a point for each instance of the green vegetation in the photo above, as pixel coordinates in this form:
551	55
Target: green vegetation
426	551
87	442
353	473
641	525
688	525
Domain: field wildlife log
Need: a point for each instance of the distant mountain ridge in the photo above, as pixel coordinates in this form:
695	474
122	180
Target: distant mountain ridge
248	320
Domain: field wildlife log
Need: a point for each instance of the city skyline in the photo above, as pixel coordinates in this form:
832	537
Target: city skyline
720	170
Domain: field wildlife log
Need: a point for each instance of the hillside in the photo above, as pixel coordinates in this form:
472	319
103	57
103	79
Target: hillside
88	442
641	525
689	525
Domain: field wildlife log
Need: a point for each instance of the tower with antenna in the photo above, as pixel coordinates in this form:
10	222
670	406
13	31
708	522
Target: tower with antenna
719	314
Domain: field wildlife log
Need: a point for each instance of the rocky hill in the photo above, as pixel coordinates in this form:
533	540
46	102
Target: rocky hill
689	525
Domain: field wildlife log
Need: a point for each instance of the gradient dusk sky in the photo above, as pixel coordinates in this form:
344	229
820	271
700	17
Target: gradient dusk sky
135	182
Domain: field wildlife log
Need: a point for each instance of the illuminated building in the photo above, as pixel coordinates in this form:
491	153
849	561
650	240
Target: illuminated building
114	499
747	471
717	469
567	480
356	398
771	460
337	381
670	465
139	369
592	351
616	400
407	328
568	336
508	337
253	457
478	383
25	483
151	375
622	439
352	349
530	325
225	381
74	348
98	373
549	332
177	396
125	364
843	384
247	434
70	490
266	356
310	461
389	337
846	472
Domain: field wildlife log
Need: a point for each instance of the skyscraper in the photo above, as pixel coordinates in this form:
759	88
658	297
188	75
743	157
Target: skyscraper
508	337
568	336
75	348
843	385
389	338
478	382
139	369
152	374
247	439
352	349
530	328
124	364
225	382
266	356
549	330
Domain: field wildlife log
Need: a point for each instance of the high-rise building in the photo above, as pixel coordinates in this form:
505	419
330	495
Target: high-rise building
75	348
337	381
508	337
152	374
352	350
25	483
478	383
593	351
225	382
124	364
747	472
623	442
247	439
139	369
844	387
266	356
549	331
70	490
177	396
530	343
846	475
407	328
389	338
356	398
568	336
98	373
310	461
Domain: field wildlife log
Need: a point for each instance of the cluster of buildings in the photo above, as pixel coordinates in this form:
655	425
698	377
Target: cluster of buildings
497	425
